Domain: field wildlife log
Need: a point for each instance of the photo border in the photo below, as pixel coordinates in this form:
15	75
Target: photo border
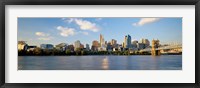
99	2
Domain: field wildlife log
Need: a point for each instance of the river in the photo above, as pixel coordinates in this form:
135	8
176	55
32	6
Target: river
134	62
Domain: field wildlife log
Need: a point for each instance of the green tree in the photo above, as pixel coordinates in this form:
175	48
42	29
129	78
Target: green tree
37	51
68	52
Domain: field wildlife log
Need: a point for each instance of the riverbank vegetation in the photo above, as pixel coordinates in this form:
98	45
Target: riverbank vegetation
79	52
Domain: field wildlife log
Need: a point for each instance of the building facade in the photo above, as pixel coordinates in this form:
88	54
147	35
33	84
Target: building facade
46	46
77	44
101	40
95	45
22	46
127	41
61	46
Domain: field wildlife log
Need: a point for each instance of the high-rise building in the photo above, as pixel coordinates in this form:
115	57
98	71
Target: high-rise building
95	45
134	43
46	46
113	42
87	47
109	46
70	47
101	40
145	41
81	46
61	46
127	41
77	44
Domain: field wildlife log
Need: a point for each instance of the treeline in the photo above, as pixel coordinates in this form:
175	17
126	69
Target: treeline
79	52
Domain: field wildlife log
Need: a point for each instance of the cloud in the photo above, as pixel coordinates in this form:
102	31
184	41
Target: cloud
65	31
86	25
41	34
83	24
68	20
144	21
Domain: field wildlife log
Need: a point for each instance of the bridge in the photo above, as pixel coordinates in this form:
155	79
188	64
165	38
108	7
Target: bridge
168	47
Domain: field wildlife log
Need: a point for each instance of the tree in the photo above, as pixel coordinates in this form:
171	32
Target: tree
68	52
37	51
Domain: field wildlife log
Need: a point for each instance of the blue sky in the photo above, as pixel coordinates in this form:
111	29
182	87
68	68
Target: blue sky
36	31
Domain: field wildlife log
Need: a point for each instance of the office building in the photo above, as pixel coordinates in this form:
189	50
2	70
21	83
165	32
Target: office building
22	45
77	44
46	46
101	40
61	47
127	41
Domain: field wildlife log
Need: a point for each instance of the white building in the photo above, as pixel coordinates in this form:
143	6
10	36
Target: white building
102	48
22	45
77	44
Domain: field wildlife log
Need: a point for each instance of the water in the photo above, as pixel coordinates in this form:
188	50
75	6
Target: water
164	62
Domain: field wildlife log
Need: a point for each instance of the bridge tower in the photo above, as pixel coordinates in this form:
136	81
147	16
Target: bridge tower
155	44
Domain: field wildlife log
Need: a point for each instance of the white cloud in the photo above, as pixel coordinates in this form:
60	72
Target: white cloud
68	20
41	34
65	31
83	24
86	25
145	21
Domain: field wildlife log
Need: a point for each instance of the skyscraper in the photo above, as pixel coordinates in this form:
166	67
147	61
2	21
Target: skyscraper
77	44
127	41
46	46
101	40
113	42
145	42
87	47
95	45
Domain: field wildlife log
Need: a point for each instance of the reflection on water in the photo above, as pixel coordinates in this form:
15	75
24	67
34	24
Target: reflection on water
166	62
105	64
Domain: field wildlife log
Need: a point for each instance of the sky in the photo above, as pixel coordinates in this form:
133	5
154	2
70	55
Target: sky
36	31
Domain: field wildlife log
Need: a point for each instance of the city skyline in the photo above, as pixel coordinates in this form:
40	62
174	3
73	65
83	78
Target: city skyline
38	31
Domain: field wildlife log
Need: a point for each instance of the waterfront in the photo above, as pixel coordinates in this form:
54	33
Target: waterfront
105	62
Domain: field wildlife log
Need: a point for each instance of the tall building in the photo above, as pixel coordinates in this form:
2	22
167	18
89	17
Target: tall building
113	42
101	40
95	45
127	41
77	44
134	43
109	46
145	42
46	46
70	47
87	47
81	46
61	46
